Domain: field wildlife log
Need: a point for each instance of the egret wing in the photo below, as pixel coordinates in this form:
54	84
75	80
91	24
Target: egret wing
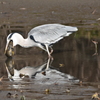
51	33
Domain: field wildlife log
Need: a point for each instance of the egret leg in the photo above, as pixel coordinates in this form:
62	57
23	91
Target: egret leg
47	50
49	53
48	64
51	50
43	47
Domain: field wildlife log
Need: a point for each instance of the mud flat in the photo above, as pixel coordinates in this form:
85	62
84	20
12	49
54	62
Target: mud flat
35	12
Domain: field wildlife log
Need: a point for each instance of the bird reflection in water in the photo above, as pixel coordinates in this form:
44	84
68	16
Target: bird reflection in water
44	73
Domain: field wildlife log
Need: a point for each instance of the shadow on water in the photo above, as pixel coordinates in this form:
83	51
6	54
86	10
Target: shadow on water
30	73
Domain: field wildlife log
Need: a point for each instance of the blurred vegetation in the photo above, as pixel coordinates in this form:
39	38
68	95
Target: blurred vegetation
93	33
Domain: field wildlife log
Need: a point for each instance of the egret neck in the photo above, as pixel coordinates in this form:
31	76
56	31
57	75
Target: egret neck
19	40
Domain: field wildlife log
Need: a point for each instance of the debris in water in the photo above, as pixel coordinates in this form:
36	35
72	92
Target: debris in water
22	8
22	98
94	11
9	95
3	2
68	90
15	95
95	96
44	73
47	91
21	91
80	83
55	83
61	65
98	19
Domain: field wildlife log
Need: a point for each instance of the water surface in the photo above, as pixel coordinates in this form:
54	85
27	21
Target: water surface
76	58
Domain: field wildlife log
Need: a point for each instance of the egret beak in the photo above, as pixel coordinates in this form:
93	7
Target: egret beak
7	70
9	74
6	48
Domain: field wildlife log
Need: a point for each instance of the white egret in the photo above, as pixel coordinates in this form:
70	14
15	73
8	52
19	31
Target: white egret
42	36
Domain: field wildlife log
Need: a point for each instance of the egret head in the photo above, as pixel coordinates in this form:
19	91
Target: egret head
12	40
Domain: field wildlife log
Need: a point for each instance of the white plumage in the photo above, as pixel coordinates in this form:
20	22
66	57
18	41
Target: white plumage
42	36
51	33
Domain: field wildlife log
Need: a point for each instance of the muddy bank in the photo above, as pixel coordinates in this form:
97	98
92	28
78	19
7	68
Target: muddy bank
36	12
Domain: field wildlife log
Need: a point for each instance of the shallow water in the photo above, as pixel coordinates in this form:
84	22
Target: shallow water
76	58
